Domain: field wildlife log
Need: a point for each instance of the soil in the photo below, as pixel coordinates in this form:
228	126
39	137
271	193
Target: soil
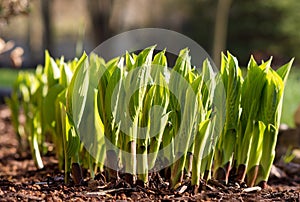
21	181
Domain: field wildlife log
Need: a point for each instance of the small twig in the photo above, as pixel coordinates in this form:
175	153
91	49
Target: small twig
104	192
148	191
217	184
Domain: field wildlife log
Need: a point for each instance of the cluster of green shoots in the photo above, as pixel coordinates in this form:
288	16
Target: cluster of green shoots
246	146
133	115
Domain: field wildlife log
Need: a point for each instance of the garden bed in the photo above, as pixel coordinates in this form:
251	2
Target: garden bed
21	181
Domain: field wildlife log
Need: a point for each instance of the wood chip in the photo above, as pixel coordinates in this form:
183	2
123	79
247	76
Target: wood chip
277	172
211	188
252	189
181	189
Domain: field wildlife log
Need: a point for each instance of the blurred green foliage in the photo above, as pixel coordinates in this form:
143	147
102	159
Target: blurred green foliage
291	99
261	28
7	77
264	28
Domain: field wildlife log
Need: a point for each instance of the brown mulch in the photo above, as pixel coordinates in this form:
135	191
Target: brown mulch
21	181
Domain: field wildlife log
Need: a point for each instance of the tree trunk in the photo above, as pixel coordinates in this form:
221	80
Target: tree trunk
46	17
220	33
100	13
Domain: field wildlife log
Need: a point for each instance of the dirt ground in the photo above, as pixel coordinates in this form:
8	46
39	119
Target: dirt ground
21	181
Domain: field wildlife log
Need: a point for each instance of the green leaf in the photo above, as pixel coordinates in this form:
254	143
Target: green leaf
183	63
137	80
256	146
66	74
129	61
112	103
272	96
284	70
51	69
200	142
77	90
48	105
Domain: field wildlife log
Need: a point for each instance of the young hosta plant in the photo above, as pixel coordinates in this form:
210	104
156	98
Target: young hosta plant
270	114
136	85
29	86
232	80
160	97
14	105
55	74
184	113
154	118
202	152
261	109
250	102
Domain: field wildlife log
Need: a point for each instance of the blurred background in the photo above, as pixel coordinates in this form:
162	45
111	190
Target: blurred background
64	27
